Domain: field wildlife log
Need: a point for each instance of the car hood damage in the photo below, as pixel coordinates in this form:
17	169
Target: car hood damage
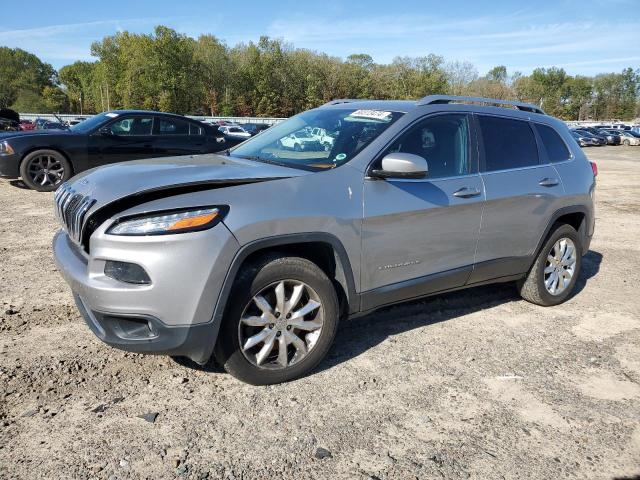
114	188
194	172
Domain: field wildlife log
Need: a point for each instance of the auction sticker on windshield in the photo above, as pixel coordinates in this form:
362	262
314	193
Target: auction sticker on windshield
373	114
111	114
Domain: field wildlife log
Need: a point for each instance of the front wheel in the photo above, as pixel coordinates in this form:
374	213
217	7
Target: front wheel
280	323
45	170
555	270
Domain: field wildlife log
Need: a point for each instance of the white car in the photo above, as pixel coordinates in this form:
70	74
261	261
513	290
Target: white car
321	135
234	131
299	141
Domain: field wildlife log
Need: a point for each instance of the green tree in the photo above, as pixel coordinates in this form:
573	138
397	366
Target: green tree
22	72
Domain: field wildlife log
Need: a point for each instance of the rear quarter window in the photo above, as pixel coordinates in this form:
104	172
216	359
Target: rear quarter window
508	143
557	150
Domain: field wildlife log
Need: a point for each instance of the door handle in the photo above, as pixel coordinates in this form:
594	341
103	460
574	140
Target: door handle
548	182
466	192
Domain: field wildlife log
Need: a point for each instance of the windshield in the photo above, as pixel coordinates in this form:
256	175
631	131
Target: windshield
91	123
289	143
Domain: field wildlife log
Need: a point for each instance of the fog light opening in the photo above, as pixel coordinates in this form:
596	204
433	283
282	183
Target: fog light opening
126	272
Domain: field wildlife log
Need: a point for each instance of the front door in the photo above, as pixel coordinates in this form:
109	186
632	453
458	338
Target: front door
126	138
420	236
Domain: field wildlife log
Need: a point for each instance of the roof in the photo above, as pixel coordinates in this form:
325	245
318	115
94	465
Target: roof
145	112
479	103
393	105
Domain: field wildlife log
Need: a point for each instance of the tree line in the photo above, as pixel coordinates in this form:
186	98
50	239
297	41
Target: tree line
168	71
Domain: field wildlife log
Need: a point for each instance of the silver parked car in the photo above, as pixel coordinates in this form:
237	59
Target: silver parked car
254	256
627	137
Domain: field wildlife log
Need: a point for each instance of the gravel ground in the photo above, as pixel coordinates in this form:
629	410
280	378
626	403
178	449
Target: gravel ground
474	384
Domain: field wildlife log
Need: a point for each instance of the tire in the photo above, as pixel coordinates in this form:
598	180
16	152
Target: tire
45	170
263	278
626	143
533	287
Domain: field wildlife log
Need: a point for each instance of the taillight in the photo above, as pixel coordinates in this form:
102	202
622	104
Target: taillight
594	169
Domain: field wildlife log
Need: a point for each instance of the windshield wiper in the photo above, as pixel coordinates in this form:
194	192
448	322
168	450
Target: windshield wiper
255	158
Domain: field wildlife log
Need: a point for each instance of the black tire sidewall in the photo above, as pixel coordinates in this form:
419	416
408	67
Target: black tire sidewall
252	280
564	231
24	170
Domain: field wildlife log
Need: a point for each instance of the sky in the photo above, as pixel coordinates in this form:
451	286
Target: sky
583	37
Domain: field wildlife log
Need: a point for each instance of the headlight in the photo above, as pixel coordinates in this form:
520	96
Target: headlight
170	222
5	148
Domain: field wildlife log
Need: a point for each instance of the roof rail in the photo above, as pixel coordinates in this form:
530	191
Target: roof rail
436	99
340	100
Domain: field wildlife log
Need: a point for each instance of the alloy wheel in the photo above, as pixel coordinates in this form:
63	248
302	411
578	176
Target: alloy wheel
45	170
560	266
280	325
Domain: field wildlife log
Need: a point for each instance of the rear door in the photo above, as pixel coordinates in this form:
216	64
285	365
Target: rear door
176	136
420	235
522	192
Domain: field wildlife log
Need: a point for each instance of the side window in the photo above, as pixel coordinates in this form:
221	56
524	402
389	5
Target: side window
442	140
132	126
195	129
508	143
173	126
557	150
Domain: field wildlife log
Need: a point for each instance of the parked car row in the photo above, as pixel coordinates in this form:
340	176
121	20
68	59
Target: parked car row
598	136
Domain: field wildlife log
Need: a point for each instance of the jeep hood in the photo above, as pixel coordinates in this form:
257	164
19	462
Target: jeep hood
172	176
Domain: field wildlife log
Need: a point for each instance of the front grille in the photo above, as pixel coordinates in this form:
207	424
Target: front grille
71	209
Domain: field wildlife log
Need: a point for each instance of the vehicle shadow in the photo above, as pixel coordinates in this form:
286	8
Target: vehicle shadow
18	184
357	335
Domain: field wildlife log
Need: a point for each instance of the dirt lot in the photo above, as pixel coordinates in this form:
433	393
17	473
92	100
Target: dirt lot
475	384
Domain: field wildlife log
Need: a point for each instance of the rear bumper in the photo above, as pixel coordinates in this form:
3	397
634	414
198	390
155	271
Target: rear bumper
9	166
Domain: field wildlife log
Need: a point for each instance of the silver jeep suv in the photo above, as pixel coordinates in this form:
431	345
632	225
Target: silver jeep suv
254	255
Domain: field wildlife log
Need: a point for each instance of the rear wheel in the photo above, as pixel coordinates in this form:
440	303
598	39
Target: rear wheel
45	170
626	143
555	271
280	323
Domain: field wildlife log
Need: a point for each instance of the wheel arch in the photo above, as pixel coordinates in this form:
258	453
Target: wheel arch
324	249
576	216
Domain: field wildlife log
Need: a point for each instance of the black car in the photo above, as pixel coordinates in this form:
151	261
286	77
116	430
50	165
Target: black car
9	120
46	158
602	140
255	128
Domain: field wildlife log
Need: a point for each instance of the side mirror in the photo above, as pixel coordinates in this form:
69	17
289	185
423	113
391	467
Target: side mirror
402	165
